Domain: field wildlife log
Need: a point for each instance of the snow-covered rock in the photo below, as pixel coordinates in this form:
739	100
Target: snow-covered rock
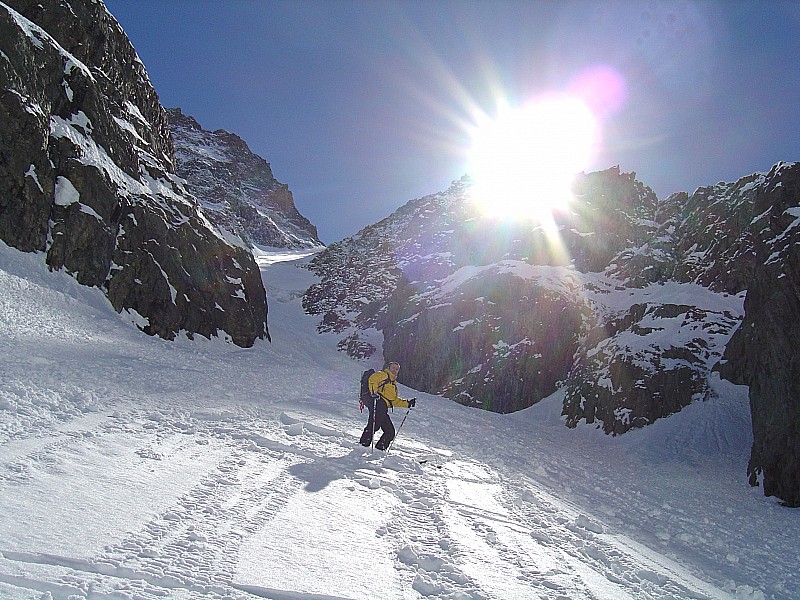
87	177
236	188
652	354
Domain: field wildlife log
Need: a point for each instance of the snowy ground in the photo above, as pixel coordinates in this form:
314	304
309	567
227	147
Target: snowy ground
131	467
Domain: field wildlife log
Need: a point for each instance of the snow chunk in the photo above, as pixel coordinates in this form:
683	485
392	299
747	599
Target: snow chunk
65	193
295	429
589	524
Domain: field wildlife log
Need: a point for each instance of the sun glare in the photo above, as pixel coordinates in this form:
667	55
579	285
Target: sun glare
523	161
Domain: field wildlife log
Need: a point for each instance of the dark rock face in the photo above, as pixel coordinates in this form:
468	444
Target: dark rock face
236	188
763	352
87	177
500	341
612	212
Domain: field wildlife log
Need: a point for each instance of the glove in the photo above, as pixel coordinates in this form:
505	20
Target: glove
412	403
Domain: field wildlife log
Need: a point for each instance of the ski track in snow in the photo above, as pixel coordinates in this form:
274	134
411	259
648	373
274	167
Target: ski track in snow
453	528
131	467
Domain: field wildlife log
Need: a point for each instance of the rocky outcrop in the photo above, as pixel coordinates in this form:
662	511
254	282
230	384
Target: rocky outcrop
763	352
498	337
87	176
612	211
236	188
359	275
638	362
703	238
650	360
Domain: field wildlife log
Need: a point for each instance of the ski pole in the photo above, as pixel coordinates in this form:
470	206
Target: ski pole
398	432
373	416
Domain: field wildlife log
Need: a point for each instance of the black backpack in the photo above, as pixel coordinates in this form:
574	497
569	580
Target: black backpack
365	395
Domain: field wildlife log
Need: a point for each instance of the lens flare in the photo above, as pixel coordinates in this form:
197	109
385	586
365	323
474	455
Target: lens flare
602	88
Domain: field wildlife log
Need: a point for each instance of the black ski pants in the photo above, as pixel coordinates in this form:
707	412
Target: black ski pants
379	419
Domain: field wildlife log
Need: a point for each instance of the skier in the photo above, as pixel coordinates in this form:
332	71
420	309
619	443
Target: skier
383	395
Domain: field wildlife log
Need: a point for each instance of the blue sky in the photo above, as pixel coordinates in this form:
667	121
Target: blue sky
360	106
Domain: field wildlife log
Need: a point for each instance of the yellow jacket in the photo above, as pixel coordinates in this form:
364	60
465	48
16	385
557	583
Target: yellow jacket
384	384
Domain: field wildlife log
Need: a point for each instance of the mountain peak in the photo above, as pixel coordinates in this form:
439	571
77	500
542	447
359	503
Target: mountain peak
236	187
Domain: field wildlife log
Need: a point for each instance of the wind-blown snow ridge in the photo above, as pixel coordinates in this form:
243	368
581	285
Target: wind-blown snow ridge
132	467
562	279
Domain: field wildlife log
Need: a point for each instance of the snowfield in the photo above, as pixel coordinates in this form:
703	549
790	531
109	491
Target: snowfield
132	467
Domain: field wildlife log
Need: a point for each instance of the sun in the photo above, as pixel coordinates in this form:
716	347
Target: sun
523	161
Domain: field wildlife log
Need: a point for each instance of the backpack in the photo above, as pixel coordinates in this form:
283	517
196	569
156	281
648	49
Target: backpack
365	395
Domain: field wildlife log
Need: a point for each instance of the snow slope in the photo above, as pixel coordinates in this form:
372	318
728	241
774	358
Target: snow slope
132	467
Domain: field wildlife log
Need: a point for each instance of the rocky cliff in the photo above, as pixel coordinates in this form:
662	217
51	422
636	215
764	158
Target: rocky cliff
87	177
763	352
632	308
236	188
648	358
